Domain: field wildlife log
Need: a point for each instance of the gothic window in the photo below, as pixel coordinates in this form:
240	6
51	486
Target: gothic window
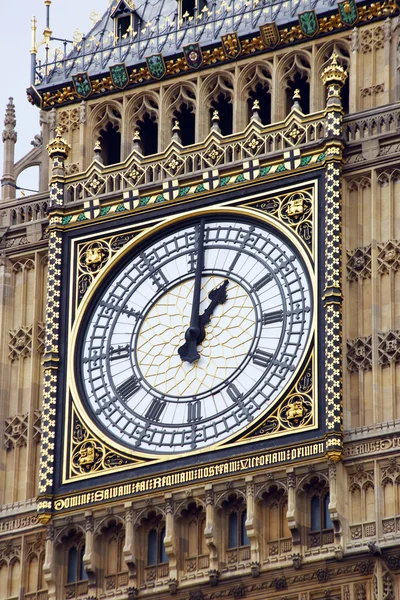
237	543
319	513
3	579
156	553
75	567
186	118
277	539
106	124
142	116
298	82
10	573
220	98
294	73
193	547
110	141
148	131
320	526
181	103
256	84
223	104
112	542
35	579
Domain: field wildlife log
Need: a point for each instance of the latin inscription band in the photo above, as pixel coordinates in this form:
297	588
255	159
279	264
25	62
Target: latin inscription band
197	474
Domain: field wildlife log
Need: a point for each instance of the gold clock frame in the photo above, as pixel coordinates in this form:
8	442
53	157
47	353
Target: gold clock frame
146	230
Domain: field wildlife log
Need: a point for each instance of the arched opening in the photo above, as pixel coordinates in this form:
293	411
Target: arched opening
152	547
233	530
28	181
148	129
186	118
315	513
225	112
82	573
298	82
72	566
244	538
262	94
110	141
345	93
163	557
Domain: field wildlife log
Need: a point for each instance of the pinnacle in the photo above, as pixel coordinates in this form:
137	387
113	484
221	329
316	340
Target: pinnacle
10	114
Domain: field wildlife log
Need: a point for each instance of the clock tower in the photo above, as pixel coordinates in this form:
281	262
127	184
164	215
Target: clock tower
214	418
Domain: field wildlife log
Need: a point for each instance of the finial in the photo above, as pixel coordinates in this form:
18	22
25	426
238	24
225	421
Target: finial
33	30
136	140
58	146
97	152
215	122
256	111
176	132
296	100
47	31
334	72
10	122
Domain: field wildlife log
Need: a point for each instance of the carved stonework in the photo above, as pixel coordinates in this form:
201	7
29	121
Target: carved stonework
359	263
372	39
359	354
10	552
360	592
41	337
388	256
389	347
16	431
69	120
361	477
20	344
372	90
37	425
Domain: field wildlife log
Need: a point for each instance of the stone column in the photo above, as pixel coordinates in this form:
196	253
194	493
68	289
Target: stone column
291	513
333	78
49	563
170	539
8	181
252	526
210	530
88	558
58	150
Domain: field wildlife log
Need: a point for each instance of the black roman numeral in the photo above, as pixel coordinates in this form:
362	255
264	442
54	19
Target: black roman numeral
127	389
194	411
272	317
262	358
119	352
233	392
262	282
155	409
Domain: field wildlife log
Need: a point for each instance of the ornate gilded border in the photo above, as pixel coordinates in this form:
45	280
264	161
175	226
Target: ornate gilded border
272	207
286	36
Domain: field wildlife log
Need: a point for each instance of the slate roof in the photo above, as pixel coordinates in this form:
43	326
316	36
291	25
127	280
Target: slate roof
162	32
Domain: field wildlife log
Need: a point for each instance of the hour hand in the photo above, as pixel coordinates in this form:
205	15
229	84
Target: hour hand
195	335
217	296
188	350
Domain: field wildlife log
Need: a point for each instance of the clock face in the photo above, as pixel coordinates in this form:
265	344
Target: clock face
196	335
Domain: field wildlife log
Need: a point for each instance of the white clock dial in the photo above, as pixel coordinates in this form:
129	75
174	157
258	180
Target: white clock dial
196	334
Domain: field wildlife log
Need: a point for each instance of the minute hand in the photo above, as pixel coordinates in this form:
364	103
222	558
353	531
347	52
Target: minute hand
188	350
